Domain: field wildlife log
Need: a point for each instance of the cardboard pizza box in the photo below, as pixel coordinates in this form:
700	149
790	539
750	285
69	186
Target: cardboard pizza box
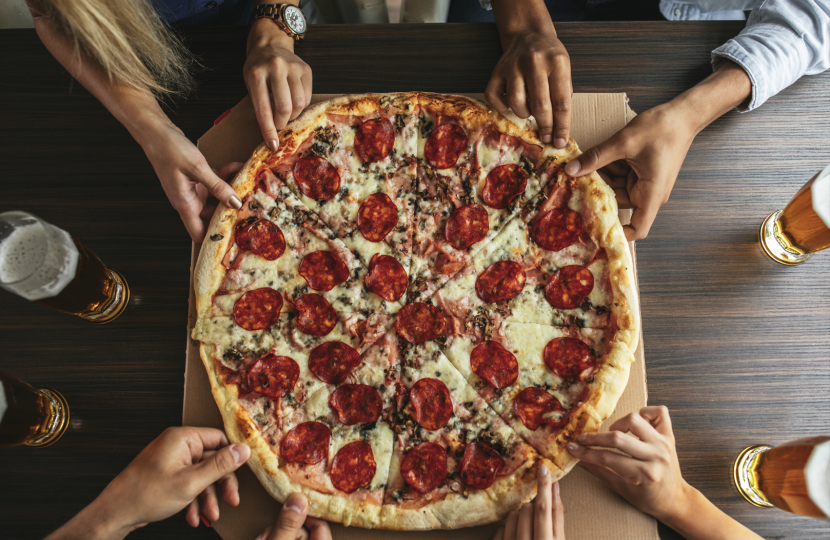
592	511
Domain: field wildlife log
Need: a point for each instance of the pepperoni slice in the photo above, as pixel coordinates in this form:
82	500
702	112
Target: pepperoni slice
535	406
323	270
556	229
569	286
332	361
262	237
273	376
480	465
356	403
374	140
386	277
432	403
502	185
569	358
306	443
353	467
425	467
495	364
418	322
317	317
466	226
317	178
257	309
376	217
501	280
444	146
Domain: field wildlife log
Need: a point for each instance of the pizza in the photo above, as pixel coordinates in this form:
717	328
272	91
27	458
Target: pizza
413	310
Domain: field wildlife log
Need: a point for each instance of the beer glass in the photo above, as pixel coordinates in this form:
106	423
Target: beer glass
43	263
794	476
31	416
791	235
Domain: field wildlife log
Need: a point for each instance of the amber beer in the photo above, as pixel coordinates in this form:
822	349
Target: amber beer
791	235
794	476
43	263
30	416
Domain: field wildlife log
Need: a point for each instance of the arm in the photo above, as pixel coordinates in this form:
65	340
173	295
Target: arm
533	75
648	476
184	174
278	81
643	159
181	465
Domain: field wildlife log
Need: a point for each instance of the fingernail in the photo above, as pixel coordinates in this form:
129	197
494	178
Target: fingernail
573	447
273	145
582	438
543	470
240	453
572	168
560	143
264	534
204	519
235	203
546	138
295	505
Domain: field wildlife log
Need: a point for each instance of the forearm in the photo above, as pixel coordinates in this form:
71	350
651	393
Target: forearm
515	17
138	111
265	31
713	97
92	523
698	519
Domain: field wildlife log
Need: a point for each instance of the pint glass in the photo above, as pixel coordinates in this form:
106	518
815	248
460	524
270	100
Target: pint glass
791	235
43	263
794	476
30	416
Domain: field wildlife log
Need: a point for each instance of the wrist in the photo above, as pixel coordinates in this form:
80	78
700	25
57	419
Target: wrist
720	92
518	19
95	522
683	507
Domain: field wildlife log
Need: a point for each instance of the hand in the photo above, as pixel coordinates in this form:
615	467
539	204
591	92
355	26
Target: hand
272	68
533	75
649	476
187	179
543	519
293	523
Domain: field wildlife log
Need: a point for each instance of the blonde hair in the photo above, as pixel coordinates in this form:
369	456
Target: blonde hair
128	39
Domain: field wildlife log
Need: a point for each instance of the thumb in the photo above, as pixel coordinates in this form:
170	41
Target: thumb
595	158
223	462
218	187
291	519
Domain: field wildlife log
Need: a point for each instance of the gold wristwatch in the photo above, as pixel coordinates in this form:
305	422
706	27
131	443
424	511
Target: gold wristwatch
287	16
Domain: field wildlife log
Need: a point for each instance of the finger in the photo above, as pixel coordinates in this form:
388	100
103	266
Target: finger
540	105
494	94
192	514
307	80
264	534
499	534
620	441
298	102
596	157
558	514
516	95
200	440
227	172
318	529
216	186
210	505
561	93
524	530
627	467
641	220
619	168
261	100
291	518
637	425
230	489
511	526
223	462
623	201
543	507
194	225
658	417
281	97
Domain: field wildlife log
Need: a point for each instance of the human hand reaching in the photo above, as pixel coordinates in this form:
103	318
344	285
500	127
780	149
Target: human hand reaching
293	523
543	519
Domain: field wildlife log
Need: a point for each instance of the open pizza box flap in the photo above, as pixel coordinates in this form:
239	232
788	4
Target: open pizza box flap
593	512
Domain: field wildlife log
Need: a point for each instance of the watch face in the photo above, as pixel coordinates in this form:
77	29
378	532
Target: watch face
294	19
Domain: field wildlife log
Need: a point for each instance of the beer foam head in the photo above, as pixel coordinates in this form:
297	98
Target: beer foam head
37	260
821	196
817	474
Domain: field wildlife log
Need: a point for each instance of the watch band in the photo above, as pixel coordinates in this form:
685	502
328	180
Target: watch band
276	13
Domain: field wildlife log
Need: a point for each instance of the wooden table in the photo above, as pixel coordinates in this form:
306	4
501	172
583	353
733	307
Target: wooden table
736	346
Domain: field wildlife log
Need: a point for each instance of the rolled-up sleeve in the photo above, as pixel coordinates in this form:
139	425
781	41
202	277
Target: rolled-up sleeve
783	40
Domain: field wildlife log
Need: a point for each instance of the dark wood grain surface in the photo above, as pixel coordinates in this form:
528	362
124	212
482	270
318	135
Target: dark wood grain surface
737	347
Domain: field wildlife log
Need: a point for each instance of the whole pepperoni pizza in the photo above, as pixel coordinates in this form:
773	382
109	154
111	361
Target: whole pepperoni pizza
413	310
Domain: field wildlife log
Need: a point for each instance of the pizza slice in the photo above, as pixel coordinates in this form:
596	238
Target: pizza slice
546	382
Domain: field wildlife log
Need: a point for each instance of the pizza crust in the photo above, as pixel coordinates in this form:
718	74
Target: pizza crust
507	493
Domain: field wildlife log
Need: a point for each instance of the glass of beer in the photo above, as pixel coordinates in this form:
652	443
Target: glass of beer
43	263
791	235
794	476
31	416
